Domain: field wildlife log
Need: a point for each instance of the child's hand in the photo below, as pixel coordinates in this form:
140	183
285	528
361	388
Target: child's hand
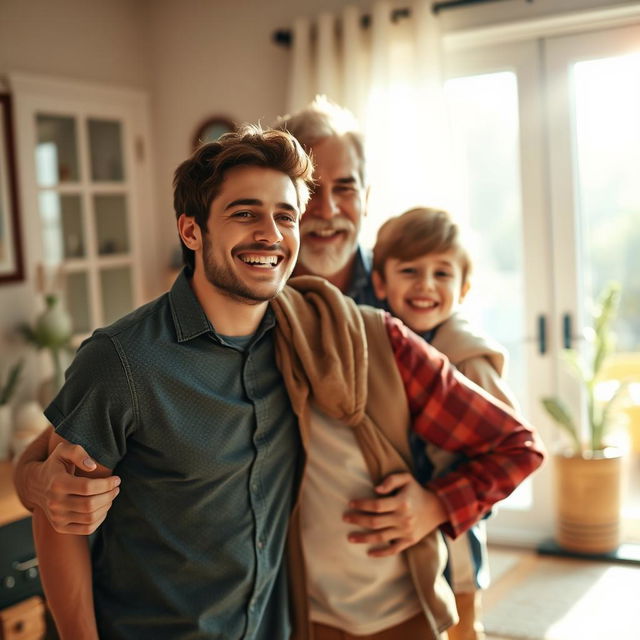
406	514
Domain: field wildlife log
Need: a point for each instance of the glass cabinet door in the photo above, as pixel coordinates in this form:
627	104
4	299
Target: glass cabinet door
84	206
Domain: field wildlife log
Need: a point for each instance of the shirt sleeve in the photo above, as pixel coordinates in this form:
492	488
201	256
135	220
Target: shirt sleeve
455	414
94	408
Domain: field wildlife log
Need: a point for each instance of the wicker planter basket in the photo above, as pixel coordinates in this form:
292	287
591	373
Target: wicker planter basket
588	501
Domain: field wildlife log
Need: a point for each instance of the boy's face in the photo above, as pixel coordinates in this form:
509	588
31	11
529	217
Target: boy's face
422	292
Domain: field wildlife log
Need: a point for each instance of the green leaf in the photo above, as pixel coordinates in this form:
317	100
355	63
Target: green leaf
6	391
560	413
572	359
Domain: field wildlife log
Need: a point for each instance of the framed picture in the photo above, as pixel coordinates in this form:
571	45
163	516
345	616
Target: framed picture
11	265
211	129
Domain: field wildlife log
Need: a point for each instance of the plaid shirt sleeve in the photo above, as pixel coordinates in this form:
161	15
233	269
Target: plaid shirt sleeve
449	410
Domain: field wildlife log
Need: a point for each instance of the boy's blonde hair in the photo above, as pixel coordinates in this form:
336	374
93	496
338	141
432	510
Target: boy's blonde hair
416	233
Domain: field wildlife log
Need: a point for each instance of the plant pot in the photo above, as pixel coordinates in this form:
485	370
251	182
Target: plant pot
588	490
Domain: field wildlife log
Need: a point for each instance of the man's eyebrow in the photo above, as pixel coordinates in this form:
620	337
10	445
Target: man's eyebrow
250	202
346	180
254	202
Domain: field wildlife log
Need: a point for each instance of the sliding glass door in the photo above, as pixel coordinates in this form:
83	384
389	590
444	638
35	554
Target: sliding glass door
548	154
594	159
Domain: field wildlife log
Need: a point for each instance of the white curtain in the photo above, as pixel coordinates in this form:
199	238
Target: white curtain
390	76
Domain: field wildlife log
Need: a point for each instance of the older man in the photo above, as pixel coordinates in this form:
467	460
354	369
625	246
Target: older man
333	218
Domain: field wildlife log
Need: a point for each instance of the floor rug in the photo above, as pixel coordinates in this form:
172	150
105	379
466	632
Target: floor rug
544	598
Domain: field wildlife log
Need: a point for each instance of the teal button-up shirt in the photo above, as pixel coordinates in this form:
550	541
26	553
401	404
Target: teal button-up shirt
202	434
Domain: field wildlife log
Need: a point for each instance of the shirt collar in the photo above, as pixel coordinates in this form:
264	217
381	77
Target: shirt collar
361	273
189	317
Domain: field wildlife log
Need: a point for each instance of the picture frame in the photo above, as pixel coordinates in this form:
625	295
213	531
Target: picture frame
11	258
211	129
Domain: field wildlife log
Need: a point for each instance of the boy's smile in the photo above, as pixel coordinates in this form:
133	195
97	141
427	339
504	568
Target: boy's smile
422	292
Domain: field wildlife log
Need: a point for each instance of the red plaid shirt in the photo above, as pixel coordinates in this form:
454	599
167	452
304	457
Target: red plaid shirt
453	413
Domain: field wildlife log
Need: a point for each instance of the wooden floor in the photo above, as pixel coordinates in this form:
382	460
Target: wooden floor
536	597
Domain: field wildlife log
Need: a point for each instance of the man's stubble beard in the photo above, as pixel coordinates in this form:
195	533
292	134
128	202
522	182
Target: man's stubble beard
228	283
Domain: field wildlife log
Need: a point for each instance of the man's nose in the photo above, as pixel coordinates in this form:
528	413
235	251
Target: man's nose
268	232
323	205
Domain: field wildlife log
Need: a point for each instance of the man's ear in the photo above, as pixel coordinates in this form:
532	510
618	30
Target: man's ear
379	285
464	290
190	232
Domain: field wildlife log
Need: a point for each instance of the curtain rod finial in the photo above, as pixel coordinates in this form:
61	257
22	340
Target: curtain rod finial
283	37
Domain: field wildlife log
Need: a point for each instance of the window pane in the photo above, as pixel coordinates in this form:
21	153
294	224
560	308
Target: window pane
111	224
484	111
105	147
56	150
62	227
607	103
117	293
484	115
78	301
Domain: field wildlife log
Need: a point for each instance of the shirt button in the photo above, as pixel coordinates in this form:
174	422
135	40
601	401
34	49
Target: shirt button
254	487
260	544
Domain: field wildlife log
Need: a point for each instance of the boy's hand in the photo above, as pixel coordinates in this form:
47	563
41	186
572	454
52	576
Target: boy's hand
406	514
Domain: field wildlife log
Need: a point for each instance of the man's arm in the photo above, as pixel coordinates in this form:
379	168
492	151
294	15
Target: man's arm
71	503
65	570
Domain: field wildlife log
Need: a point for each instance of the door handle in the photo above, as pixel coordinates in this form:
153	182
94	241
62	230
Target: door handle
542	334
566	331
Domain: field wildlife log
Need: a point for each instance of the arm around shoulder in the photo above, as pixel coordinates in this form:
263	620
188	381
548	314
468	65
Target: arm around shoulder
72	503
65	568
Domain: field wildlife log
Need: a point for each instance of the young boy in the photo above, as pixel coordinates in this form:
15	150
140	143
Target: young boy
421	269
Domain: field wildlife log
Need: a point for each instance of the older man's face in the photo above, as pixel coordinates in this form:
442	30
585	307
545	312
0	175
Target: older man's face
331	224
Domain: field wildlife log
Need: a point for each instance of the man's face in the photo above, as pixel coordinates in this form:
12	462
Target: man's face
422	292
253	235
331	223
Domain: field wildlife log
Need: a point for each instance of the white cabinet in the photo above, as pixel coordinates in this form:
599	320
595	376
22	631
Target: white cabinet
85	179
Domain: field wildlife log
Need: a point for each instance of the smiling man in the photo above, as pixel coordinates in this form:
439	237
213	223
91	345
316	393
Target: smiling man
338	204
184	398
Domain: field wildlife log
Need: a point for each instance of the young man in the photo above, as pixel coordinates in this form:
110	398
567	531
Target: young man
184	398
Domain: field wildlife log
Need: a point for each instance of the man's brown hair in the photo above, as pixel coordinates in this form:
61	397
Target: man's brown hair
416	233
198	179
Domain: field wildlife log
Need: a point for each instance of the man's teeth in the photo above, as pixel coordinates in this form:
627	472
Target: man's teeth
267	261
424	304
325	233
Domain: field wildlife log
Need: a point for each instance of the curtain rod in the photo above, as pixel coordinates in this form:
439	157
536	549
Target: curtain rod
284	37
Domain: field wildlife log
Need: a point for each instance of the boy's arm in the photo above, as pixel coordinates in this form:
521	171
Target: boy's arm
71	503
480	371
456	415
453	413
65	569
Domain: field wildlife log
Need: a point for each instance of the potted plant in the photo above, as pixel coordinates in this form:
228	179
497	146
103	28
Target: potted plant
588	471
7	389
52	331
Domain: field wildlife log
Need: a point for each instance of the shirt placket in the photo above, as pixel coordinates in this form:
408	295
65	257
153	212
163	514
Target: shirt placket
256	495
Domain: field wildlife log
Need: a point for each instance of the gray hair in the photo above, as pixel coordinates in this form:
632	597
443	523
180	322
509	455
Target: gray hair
325	119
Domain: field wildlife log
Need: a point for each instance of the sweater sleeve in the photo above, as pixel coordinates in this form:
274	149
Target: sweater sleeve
453	413
479	370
